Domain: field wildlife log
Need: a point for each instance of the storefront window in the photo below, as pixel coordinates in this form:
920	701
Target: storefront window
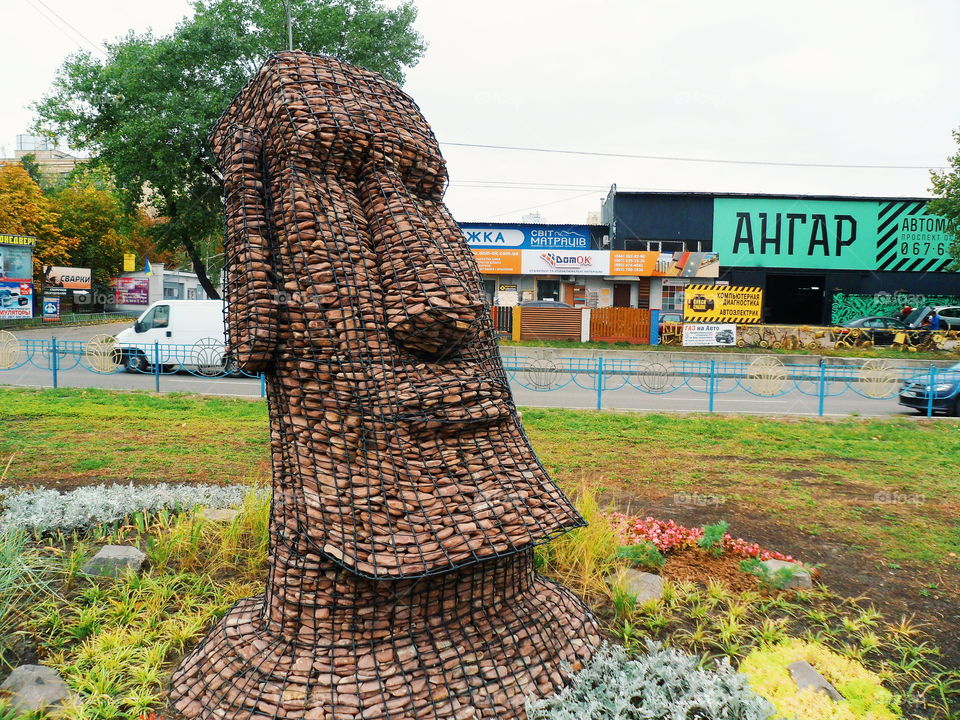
673	298
548	290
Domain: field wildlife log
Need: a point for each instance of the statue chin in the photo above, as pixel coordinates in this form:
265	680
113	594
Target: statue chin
385	511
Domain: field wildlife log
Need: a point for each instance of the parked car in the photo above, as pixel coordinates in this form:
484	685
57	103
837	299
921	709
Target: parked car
949	316
881	330
673	321
916	391
187	333
545	303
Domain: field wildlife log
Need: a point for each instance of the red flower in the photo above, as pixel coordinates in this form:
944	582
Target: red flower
667	536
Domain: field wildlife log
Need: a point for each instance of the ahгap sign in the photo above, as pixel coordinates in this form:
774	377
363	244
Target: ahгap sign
829	234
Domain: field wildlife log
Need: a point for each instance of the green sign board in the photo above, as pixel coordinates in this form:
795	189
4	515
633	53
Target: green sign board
830	234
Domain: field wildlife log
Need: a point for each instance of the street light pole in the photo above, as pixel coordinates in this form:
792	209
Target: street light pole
286	6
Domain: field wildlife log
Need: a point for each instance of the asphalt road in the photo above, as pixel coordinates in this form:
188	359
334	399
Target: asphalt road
683	399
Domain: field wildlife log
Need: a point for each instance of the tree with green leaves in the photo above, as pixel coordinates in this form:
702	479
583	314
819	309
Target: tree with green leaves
946	187
145	110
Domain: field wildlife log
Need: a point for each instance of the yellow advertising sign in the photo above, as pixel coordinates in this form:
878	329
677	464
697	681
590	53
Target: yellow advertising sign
722	304
17	240
129	262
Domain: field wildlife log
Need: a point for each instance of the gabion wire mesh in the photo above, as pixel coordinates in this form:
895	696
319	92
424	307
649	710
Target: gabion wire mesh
406	497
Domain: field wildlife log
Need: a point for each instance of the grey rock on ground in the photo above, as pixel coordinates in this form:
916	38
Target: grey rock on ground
113	560
35	687
801	578
643	586
224	515
806	676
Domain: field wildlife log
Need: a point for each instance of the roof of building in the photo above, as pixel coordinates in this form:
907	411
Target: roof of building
886	198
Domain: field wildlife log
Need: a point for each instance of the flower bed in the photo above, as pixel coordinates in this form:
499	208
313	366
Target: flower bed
668	536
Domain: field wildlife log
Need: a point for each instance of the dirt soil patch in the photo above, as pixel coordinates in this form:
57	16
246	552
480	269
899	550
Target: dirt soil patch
700	568
898	591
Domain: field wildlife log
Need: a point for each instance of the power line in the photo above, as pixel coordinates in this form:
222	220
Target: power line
533	207
96	46
719	161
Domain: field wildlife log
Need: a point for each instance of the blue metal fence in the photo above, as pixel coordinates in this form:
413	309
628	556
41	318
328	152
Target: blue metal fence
763	377
44	362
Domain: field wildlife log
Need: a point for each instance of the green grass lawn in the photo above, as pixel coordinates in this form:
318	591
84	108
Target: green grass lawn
892	485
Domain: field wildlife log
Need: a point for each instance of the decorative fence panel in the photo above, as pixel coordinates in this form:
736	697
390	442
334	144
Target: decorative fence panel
612	324
550	323
502	317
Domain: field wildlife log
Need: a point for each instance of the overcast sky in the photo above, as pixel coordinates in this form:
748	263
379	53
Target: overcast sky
839	83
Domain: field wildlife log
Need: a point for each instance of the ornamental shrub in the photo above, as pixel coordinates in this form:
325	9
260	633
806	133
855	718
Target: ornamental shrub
644	554
770	579
44	511
663	684
713	536
865	698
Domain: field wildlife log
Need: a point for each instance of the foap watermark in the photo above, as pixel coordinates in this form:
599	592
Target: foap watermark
895	497
899	298
698	499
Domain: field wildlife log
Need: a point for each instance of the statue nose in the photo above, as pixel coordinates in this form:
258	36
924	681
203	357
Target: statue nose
431	306
431	321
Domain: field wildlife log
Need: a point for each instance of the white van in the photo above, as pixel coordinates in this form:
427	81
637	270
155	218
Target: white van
178	333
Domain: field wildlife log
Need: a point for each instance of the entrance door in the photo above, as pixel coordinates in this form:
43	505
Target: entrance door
490	290
794	299
621	294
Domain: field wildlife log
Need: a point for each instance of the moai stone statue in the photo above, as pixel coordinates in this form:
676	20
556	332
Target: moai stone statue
407	501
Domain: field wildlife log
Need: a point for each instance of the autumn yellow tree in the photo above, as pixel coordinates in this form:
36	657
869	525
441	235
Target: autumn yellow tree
91	211
25	210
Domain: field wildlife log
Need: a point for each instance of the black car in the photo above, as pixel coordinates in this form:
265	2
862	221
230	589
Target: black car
916	391
880	330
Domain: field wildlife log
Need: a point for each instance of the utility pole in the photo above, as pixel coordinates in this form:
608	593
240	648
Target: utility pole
286	5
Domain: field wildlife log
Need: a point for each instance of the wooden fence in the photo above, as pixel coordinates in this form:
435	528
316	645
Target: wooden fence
614	324
605	324
549	323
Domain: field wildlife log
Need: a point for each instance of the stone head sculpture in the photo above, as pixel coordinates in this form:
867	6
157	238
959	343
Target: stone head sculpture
350	285
404	488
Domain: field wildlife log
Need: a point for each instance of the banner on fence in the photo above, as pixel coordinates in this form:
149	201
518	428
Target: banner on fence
722	304
16	299
51	309
704	335
131	291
